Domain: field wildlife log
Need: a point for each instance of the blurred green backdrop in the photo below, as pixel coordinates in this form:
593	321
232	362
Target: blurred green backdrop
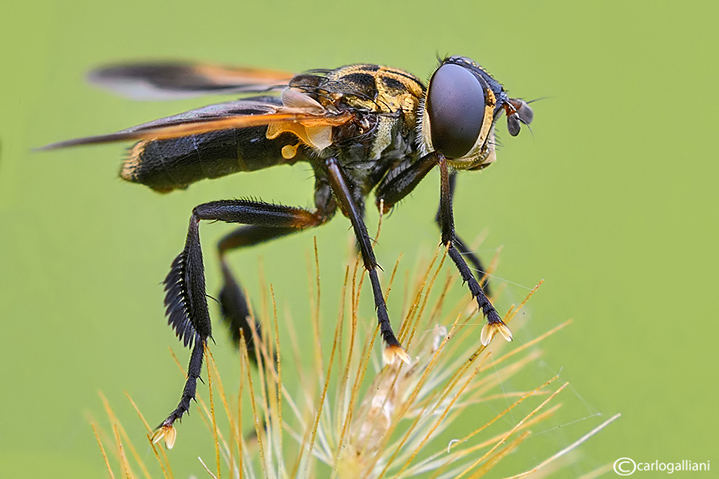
612	200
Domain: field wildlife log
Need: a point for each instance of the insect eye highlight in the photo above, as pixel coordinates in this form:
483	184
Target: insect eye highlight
455	107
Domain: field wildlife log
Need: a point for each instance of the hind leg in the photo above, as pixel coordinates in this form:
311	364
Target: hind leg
185	297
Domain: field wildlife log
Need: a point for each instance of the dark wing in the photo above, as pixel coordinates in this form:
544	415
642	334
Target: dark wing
224	116
171	80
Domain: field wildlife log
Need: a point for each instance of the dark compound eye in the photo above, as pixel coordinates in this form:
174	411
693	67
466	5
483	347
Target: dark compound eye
455	105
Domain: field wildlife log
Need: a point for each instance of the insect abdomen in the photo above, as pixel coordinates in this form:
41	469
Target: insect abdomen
165	165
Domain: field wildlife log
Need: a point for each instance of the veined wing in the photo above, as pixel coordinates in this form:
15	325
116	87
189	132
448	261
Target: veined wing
171	80
259	111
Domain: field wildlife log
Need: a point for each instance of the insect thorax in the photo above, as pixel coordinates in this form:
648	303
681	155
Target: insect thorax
386	102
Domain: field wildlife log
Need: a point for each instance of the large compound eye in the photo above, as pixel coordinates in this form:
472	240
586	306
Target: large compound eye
455	105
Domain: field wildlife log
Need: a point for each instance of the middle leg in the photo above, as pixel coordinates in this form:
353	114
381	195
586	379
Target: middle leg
399	184
350	207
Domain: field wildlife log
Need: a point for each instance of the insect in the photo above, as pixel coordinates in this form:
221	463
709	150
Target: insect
361	128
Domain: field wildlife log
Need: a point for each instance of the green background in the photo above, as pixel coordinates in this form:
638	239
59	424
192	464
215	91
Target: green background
612	200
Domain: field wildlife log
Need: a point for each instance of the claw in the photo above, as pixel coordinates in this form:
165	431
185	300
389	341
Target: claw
391	353
168	433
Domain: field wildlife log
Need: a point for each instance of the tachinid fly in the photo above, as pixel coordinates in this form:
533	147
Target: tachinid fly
360	127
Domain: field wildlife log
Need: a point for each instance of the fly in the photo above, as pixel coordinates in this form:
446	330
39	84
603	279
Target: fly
361	128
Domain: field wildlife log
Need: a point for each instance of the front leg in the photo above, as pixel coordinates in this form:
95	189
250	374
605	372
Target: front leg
401	181
479	270
446	221
349	207
399	184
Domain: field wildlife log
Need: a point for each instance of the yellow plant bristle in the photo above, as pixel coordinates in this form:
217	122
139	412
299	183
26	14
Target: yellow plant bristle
358	411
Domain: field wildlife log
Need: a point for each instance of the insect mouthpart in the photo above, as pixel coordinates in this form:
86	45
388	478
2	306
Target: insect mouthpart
518	111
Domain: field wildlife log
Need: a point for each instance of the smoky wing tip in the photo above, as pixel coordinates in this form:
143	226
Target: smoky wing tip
59	145
50	146
95	74
104	75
